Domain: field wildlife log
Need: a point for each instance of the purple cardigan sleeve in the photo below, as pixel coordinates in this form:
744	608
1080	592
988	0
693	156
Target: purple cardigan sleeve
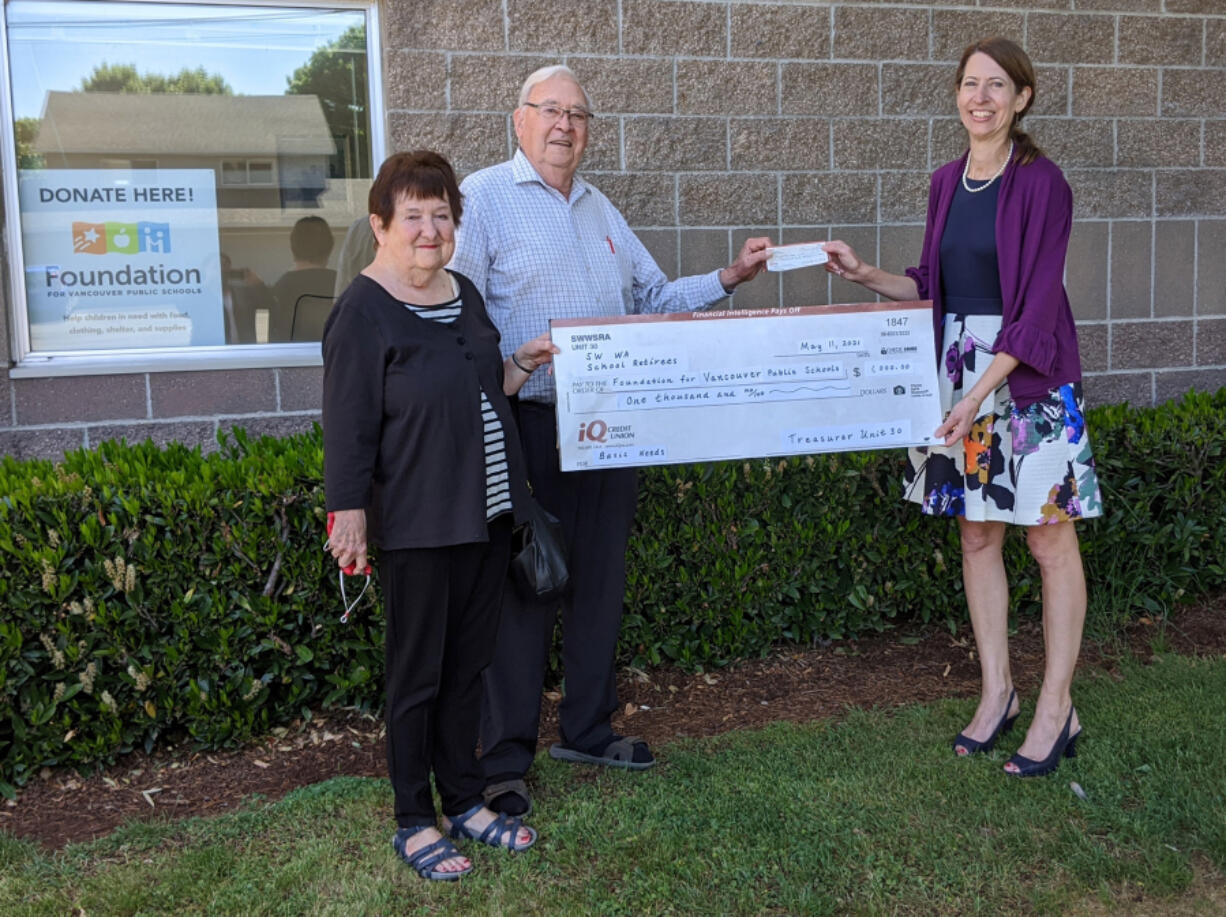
921	273
1036	231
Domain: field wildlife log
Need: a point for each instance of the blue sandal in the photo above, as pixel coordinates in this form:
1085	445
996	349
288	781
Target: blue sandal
503	831
425	859
969	746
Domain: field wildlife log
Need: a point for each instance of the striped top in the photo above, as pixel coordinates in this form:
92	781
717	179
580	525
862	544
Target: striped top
497	481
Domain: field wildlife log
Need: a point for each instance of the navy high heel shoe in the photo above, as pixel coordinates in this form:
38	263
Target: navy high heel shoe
1005	724
1066	745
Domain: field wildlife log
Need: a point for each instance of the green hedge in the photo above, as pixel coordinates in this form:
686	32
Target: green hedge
150	591
731	559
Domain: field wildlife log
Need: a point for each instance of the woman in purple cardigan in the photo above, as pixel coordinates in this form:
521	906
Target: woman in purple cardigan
1015	447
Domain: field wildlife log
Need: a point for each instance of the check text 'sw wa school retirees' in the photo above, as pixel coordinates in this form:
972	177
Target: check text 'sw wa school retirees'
1016	450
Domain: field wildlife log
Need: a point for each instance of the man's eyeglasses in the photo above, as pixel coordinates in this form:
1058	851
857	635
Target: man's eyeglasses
578	116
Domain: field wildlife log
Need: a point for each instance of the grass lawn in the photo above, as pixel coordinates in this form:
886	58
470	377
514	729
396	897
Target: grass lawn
868	815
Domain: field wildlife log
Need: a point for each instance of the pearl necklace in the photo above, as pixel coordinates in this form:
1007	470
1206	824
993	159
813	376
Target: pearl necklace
967	168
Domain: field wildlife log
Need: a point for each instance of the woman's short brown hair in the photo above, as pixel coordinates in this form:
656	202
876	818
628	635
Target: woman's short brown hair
419	175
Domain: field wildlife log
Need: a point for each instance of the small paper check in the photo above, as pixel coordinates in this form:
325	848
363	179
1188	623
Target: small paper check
790	257
705	386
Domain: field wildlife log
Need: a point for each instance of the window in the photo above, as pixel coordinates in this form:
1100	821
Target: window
246	172
108	163
184	174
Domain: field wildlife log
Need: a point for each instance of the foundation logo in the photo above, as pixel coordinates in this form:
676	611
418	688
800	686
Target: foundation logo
120	238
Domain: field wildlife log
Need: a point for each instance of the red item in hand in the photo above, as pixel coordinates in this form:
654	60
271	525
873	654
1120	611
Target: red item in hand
352	569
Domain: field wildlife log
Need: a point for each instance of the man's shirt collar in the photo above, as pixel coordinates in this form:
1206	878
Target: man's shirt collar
524	173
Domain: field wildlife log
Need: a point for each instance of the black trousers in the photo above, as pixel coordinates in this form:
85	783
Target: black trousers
596	509
442	607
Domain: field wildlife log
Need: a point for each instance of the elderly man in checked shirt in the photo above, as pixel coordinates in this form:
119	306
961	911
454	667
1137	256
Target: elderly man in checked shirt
539	242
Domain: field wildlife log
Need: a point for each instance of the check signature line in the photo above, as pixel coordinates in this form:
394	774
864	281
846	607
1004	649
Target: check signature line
807	388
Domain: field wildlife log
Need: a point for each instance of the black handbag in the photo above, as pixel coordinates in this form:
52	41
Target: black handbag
539	557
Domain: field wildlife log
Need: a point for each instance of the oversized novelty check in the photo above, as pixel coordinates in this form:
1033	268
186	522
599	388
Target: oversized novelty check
706	386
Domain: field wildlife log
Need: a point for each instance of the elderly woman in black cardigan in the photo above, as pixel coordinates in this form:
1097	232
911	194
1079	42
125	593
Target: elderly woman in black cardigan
419	444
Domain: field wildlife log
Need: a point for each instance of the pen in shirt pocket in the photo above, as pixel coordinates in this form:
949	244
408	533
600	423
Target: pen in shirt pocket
609	239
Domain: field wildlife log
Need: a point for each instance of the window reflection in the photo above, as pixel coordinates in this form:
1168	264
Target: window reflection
256	117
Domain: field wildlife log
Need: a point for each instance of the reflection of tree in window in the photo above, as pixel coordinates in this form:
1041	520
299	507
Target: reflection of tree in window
125	78
336	73
26	130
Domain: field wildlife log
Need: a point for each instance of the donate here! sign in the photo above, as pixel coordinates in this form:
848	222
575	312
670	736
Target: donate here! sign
119	258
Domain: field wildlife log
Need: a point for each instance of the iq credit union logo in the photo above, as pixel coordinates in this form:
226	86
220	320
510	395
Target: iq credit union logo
120	238
595	431
602	432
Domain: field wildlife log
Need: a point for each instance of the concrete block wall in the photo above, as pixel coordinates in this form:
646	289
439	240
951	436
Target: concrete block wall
800	120
49	416
816	120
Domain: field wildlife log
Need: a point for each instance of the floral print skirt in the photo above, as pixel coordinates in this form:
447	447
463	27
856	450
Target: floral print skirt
1028	467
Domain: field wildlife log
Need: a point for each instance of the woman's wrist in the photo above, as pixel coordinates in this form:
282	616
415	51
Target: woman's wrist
520	366
973	399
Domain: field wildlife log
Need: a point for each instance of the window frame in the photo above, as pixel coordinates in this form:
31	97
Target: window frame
130	163
247	163
27	364
225	167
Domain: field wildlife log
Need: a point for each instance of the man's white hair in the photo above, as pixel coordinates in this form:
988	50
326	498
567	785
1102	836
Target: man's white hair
539	76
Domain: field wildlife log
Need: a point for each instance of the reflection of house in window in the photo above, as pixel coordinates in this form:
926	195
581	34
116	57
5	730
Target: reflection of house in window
246	172
112	163
266	151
